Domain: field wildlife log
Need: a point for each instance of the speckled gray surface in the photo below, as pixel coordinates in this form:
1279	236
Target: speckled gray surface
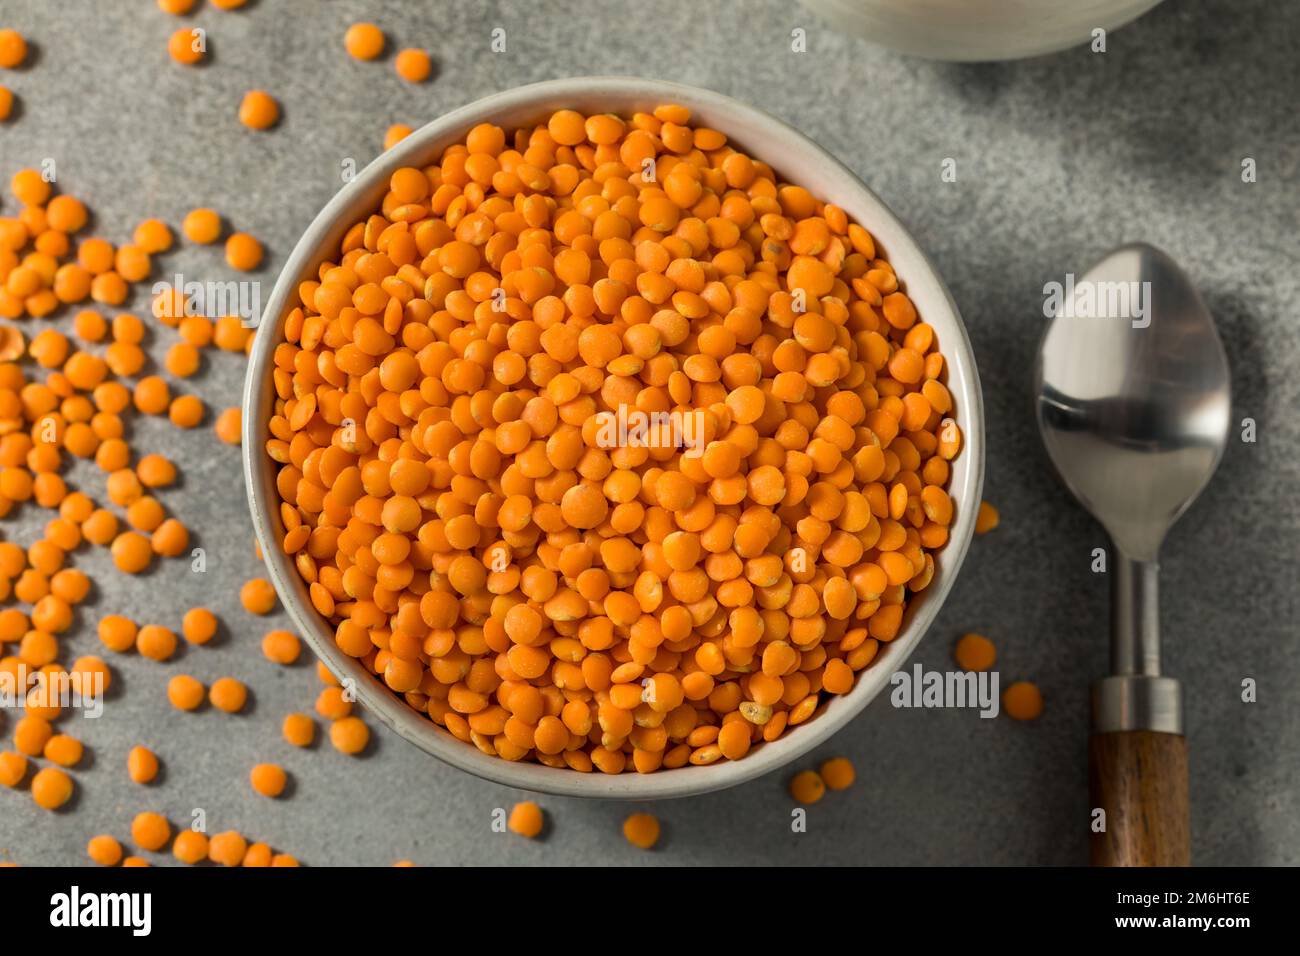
1057	159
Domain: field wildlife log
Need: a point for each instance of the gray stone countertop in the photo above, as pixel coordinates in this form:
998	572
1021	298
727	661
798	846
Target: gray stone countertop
1057	159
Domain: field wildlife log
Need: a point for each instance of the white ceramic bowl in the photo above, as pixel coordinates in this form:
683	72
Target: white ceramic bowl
979	29
795	158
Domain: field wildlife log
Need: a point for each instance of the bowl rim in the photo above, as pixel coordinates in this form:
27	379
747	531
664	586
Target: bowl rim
833	182
977	33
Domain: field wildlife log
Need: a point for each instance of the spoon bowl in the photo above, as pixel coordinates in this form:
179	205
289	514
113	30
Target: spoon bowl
1133	407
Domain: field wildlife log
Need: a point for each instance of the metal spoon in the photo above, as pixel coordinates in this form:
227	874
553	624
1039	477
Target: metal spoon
1134	410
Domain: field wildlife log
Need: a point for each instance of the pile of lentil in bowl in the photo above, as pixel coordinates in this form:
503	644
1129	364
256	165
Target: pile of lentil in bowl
451	493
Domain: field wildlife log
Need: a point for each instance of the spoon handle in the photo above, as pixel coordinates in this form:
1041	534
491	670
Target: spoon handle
1137	755
1139	777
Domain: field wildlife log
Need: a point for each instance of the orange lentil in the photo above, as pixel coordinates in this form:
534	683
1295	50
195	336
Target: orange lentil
128	328
31	734
987	519
91	674
199	625
299	730
268	779
243	252
152	396
31	586
259	110
141	765
190	847
117	633
395	134
184	692
13	767
145	514
49	348
228	694
526	819
155	642
228	426
131	552
414	66
332	704
51	788
281	647
155	471
38	648
349	735
196	330
132	263
364	41
169	539
807	787
13	49
88	324
1023	701
12	344
257	854
170	306
227	848
104	850
69	584
837	773
153	235
187	46
51	613
13	624
150	831
974	652
202	226
641	830
186	411
64	750
257	596
100	527
6	103
182	360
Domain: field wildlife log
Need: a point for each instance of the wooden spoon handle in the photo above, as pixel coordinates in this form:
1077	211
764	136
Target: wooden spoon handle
1139	777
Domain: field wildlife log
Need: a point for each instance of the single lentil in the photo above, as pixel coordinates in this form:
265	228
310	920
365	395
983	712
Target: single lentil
299	730
807	787
526	819
837	773
51	788
364	41
641	830
974	652
228	694
259	110
185	692
414	66
142	765
104	850
268	779
1023	701
349	735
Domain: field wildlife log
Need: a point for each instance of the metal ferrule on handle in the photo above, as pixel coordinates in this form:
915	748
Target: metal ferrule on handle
1135	696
